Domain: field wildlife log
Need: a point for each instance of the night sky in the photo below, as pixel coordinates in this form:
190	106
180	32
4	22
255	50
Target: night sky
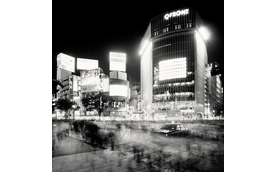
92	30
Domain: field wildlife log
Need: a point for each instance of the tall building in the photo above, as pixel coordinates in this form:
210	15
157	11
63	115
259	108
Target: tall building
71	87
173	61
215	89
65	70
118	85
92	81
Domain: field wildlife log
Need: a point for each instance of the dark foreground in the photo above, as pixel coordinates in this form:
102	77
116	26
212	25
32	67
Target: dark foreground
136	150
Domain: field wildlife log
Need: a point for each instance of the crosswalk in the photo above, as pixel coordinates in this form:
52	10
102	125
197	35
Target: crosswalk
99	161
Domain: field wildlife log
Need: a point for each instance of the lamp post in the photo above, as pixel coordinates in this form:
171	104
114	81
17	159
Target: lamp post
74	108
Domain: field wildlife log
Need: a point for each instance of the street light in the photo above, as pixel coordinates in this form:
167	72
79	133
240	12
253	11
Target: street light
204	33
74	108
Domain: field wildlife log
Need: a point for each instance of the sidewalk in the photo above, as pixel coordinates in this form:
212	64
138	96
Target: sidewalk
103	160
94	161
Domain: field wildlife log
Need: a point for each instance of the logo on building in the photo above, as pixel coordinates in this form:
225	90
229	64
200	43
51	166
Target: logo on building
176	14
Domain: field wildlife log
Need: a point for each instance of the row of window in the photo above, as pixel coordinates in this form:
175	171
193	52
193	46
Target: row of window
173	90
166	29
173	98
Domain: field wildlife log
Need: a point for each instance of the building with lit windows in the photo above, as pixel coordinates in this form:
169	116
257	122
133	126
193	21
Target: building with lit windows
119	90
173	63
71	87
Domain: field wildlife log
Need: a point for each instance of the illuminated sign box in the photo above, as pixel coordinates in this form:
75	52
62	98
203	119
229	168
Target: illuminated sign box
118	90
176	13
118	87
75	83
87	64
173	68
118	75
90	80
65	62
117	61
122	75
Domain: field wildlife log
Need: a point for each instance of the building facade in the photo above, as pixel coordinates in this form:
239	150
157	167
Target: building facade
215	89
119	90
173	63
134	103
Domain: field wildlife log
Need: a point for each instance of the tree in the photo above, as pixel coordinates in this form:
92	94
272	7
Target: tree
95	101
65	105
56	85
217	108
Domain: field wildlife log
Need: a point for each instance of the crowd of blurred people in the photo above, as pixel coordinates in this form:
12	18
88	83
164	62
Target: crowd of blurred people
110	137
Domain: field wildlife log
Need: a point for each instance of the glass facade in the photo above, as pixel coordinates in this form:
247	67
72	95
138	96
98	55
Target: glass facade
178	58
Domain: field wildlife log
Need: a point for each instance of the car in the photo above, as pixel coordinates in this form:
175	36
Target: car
173	129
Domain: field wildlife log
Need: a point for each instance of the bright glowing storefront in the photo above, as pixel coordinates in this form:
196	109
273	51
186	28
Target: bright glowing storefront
173	61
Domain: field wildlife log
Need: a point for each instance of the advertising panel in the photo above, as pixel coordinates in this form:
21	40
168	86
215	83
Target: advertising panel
155	76
118	87
118	90
103	83
75	83
87	64
106	85
65	62
173	68
94	81
122	76
117	61
90	80
118	75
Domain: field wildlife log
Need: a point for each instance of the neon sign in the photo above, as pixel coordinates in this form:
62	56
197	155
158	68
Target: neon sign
176	13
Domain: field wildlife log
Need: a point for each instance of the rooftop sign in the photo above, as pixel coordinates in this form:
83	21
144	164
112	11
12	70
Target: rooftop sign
176	13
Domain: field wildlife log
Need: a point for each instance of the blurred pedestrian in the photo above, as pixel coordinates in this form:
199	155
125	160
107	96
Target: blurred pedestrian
59	137
138	160
134	149
102	155
119	162
129	166
53	142
92	163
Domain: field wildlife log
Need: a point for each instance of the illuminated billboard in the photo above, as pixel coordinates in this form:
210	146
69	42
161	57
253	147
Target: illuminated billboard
173	68
65	62
94	81
118	75
90	80
75	83
118	90
117	61
87	64
118	87
103	83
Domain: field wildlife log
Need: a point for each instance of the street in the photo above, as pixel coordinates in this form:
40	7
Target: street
137	150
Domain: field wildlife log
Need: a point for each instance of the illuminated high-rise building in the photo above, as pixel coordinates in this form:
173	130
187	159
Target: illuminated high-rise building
173	61
118	84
